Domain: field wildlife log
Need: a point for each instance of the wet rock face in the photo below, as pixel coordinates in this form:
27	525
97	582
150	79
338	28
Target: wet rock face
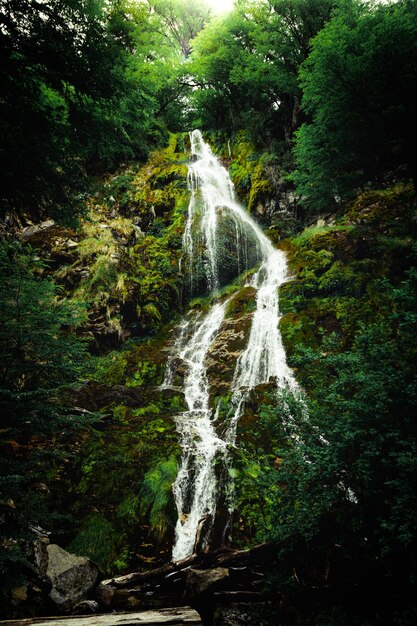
224	352
230	341
72	577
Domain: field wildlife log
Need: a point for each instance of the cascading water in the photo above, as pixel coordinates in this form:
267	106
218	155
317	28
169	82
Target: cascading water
195	486
220	240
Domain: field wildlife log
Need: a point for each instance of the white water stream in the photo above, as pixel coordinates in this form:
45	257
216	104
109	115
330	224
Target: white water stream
196	488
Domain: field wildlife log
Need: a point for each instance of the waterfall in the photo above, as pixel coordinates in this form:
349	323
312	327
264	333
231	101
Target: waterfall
195	486
220	241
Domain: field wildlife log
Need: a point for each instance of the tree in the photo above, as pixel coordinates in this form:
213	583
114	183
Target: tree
183	19
283	42
71	104
245	66
41	360
346	488
359	89
157	35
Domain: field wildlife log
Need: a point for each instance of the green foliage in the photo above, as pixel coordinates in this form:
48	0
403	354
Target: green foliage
359	89
123	260
337	268
246	67
127	471
128	509
98	539
158	281
335	475
161	196
41	361
247	170
156	496
264	439
110	369
146	373
91	84
355	455
183	19
331	477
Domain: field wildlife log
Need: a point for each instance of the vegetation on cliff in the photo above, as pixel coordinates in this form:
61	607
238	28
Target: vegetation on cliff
311	104
332	480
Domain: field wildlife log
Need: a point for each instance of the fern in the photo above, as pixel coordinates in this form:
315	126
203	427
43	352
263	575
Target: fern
156	495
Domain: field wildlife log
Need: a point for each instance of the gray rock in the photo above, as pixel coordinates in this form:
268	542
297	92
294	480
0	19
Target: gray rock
72	577
31	231
105	594
40	555
199	581
85	607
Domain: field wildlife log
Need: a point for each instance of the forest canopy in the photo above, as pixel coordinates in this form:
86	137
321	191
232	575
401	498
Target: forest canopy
95	84
85	86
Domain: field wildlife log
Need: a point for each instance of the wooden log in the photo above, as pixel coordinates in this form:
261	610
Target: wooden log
171	617
262	554
138	578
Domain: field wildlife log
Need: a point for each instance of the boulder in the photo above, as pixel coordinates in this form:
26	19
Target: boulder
40	555
85	607
72	577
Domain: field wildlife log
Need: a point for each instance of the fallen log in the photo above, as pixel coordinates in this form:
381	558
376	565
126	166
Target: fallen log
262	554
137	578
177	616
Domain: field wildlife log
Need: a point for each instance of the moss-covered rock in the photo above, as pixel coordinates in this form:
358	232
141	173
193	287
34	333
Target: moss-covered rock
338	270
123	260
261	183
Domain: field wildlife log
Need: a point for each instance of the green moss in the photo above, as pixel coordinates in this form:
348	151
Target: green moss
383	207
161	183
125	260
150	409
260	186
243	302
145	374
337	269
110	369
248	172
309	234
120	413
